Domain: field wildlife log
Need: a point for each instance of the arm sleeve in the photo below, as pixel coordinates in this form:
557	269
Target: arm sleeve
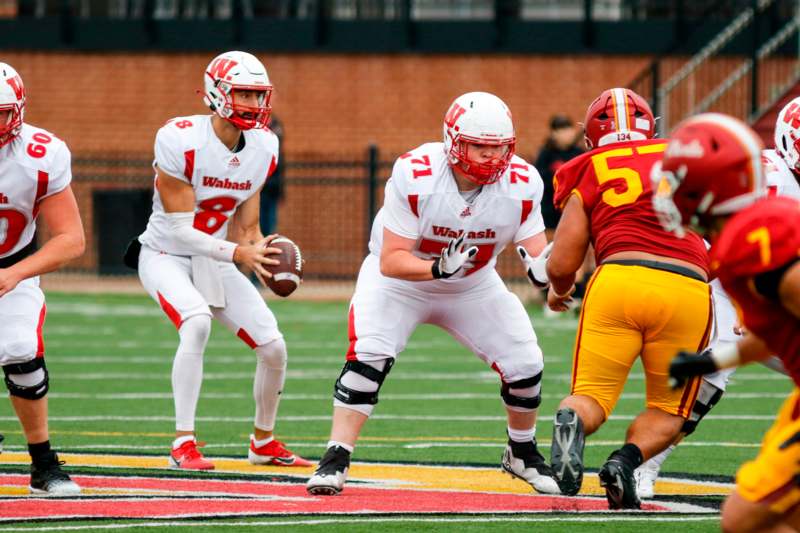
397	214
169	155
767	283
197	242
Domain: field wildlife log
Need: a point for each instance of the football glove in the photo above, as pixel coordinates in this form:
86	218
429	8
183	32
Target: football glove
453	257
536	267
687	365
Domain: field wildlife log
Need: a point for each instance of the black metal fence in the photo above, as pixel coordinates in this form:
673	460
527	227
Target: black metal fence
328	210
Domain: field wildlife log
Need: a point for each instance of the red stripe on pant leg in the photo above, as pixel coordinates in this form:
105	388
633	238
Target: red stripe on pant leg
497	369
693	387
170	311
580	330
242	334
39	335
351	334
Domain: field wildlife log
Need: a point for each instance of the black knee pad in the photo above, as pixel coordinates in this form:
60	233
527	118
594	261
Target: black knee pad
353	397
703	404
526	402
33	392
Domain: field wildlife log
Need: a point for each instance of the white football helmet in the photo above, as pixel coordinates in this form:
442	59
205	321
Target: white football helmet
787	134
479	118
232	71
12	98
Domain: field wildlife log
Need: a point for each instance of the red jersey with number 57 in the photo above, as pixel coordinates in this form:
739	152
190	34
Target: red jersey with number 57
35	165
188	149
614	186
762	238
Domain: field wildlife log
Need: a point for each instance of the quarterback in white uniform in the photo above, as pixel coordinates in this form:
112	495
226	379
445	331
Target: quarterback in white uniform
781	170
209	172
35	177
449	209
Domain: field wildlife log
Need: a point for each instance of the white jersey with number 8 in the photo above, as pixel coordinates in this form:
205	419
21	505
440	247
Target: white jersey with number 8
188	149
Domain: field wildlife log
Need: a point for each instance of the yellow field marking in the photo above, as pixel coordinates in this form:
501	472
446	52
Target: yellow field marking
390	476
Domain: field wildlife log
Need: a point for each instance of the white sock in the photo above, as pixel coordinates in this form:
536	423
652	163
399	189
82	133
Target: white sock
179	441
187	369
522	435
656	461
263	442
268	383
332	443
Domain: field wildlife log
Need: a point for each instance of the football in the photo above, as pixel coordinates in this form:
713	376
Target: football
287	275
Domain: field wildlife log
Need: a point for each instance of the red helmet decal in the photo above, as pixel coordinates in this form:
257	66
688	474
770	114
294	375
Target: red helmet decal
220	68
17	87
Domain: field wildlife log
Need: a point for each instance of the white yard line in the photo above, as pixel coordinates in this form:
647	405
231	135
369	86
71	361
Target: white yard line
644	517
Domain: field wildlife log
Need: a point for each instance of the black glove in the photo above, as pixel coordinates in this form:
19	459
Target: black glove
687	365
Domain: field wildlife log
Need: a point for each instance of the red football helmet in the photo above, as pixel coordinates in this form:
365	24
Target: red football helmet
12	99
711	167
618	115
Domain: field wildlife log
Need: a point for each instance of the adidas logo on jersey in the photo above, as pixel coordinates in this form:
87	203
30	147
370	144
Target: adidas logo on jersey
466	212
234	162
210	181
444	231
3	198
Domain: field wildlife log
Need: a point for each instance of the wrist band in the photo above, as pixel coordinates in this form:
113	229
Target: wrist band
726	356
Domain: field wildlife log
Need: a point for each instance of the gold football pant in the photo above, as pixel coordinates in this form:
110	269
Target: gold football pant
631	311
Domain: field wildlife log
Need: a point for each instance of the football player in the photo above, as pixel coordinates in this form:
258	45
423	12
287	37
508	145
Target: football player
450	208
780	171
35	177
209	172
712	179
648	297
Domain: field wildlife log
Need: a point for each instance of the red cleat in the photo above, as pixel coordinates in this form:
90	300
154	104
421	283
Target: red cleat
188	457
274	453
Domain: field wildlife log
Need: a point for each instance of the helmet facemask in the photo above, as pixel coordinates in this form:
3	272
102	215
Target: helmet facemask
241	115
13	125
481	172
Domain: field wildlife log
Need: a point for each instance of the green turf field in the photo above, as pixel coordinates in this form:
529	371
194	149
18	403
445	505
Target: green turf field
110	359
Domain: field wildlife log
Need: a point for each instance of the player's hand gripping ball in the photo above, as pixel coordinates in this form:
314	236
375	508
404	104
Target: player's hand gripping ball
287	275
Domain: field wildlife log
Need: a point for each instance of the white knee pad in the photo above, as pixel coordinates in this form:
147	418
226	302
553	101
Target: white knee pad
18	340
273	354
194	333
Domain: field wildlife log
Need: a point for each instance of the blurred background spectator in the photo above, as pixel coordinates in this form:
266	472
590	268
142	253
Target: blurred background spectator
561	146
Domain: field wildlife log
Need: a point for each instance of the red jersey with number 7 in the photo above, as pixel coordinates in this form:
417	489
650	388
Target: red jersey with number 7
614	186
762	238
33	166
187	149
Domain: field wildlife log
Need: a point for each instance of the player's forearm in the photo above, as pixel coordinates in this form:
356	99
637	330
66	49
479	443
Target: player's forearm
560	282
198	243
404	265
752	349
56	252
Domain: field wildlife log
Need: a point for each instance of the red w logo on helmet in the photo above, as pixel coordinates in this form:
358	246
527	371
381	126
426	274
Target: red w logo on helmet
792	115
452	115
17	87
220	68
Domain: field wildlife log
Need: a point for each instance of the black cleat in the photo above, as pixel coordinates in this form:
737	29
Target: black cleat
566	451
331	473
617	478
522	460
48	478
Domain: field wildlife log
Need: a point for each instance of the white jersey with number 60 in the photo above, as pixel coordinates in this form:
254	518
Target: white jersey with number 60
188	149
33	166
422	202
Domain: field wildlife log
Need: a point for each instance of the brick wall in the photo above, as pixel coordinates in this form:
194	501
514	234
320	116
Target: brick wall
331	105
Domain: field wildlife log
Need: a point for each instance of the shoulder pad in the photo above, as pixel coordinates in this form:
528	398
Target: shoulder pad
41	149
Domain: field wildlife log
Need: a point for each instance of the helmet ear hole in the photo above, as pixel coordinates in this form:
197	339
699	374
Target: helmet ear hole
784	143
714	145
603	116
